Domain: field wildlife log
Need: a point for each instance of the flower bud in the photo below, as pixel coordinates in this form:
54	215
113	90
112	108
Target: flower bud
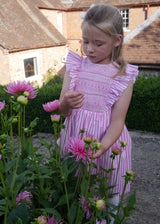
100	205
26	130
98	145
88	140
82	131
115	151
129	173
26	94
14	120
22	100
123	144
42	219
55	118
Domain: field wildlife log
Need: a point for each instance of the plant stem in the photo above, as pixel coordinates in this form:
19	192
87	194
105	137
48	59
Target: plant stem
55	138
65	187
117	169
18	153
119	206
79	176
66	132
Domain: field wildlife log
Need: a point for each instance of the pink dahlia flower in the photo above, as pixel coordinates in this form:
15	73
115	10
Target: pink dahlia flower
2	104
24	196
55	118
86	208
0	156
52	221
76	147
18	88
51	106
116	149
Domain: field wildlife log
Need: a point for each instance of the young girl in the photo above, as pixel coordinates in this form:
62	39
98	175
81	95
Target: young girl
97	89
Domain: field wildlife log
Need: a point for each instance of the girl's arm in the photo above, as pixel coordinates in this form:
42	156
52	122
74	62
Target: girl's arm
69	99
118	116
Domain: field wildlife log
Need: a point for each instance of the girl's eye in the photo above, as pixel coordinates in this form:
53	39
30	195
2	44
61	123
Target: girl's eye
99	44
85	42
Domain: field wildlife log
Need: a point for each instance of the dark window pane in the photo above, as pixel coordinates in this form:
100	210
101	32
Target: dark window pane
30	67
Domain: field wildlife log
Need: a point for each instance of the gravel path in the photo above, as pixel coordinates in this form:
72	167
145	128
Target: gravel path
146	167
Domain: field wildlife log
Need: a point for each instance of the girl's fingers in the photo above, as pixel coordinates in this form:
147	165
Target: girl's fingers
97	154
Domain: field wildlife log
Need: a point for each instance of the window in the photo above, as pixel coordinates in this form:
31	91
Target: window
30	67
59	22
125	15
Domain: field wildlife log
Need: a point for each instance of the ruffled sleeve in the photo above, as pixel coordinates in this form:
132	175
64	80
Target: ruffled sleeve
73	64
120	83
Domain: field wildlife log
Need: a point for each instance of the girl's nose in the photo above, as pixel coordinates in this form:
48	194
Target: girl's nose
90	47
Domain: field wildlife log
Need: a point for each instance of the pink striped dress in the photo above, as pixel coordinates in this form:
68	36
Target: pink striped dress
101	91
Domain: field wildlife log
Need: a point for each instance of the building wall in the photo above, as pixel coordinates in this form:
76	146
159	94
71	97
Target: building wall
72	23
51	15
138	16
46	58
4	71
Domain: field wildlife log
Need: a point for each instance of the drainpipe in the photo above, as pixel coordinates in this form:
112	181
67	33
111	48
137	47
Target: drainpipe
147	15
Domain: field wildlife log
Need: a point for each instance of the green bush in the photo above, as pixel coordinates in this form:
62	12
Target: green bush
144	110
143	113
35	109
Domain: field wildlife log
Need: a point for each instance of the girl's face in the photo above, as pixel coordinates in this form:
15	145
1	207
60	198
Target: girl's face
97	45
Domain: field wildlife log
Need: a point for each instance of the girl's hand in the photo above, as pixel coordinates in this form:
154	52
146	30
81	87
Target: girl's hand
71	100
99	152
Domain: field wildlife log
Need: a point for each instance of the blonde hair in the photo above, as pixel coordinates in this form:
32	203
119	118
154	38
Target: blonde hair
108	19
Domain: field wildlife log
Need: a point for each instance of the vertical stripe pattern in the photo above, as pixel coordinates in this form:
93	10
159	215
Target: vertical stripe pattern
101	91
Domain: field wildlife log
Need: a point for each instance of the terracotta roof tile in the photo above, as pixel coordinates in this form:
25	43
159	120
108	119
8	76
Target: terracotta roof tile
76	4
87	3
144	48
23	26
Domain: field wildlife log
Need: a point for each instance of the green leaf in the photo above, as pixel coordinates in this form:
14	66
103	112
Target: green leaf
84	186
9	165
19	212
73	167
34	122
2	206
65	170
73	212
63	200
130	205
53	211
45	143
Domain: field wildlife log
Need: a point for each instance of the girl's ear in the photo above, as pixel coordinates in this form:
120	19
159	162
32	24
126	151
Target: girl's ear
118	40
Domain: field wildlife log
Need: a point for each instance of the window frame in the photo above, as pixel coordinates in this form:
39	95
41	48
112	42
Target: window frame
125	15
36	68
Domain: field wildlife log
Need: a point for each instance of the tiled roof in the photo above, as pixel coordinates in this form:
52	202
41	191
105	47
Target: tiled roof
144	48
82	3
86	3
23	26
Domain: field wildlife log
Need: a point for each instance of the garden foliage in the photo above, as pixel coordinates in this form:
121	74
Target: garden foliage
143	113
51	187
144	110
